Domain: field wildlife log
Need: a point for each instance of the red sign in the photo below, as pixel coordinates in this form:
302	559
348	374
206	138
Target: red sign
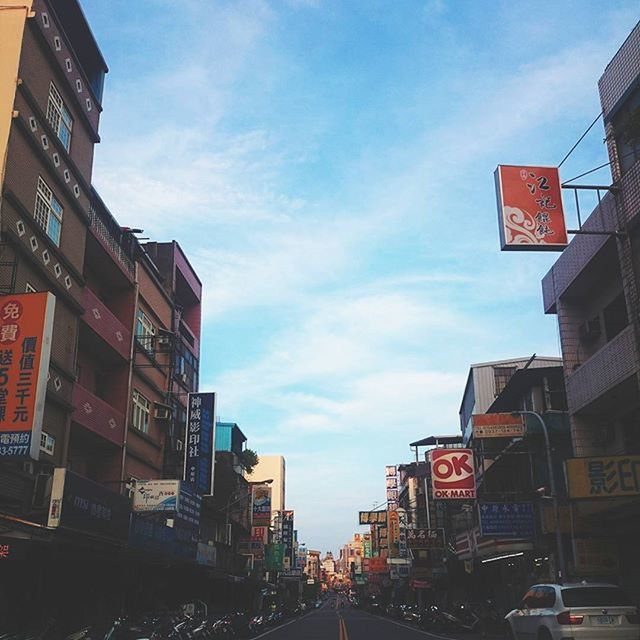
378	565
453	474
26	324
530	210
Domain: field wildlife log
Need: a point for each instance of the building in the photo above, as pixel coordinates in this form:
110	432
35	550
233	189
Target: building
485	382
272	468
593	288
126	332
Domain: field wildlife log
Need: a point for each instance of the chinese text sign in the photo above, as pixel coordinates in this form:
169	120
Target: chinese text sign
200	438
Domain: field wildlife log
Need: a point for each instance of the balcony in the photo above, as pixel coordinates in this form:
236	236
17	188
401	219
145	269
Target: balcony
608	367
97	416
110	242
98	317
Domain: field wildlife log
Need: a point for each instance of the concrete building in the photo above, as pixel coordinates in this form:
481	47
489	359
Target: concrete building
593	288
485	382
272	468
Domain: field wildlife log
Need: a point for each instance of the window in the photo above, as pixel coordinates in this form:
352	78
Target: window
59	117
595	597
47	443
615	317
48	211
145	330
141	412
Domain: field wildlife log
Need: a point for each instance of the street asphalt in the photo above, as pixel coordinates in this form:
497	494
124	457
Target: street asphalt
345	623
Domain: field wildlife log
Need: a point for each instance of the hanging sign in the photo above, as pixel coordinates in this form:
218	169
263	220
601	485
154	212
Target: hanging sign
530	213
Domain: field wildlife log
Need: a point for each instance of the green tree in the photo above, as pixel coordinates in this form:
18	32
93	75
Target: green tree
249	459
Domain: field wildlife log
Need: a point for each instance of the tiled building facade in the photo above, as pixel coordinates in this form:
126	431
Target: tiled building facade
594	290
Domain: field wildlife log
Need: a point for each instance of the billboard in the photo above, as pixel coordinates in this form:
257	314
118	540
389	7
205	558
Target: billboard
199	449
260	505
530	213
287	534
425	538
452	474
156	495
274	557
603	476
26	325
373	517
83	505
497	425
378	565
507	519
393	533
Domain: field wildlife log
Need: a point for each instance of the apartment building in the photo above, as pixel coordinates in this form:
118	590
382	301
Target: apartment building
593	288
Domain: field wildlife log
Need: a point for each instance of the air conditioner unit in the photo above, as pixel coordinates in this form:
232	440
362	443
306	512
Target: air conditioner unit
590	330
162	412
179	445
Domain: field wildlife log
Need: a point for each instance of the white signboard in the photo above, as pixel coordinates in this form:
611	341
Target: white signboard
156	495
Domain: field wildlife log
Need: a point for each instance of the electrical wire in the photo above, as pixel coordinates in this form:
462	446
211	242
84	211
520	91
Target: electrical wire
580	139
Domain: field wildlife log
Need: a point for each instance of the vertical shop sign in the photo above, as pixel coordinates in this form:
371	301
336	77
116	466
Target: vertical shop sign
26	326
260	505
199	456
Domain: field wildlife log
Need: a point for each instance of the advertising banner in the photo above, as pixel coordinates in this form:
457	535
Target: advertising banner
252	546
378	565
393	533
262	533
603	476
507	519
199	449
425	538
287	534
373	517
260	505
497	425
366	545
530	212
156	495
26	325
274	557
452	474
83	505
596	557
206	555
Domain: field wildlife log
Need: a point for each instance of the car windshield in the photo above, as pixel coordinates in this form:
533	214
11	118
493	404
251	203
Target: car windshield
595	597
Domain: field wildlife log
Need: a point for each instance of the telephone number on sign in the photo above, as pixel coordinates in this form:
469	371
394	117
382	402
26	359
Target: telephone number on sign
14	450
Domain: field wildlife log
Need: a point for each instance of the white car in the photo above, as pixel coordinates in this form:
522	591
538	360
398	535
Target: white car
581	611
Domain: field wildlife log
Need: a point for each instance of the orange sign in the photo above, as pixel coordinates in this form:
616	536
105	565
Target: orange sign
497	425
530	210
393	532
26	324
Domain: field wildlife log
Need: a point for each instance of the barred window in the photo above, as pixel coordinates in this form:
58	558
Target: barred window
141	412
48	211
59	117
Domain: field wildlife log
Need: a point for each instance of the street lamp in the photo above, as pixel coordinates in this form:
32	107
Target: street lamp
561	569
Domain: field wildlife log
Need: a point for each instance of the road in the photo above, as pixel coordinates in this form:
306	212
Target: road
344	623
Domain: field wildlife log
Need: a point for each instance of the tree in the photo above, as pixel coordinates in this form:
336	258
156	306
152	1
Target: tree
249	459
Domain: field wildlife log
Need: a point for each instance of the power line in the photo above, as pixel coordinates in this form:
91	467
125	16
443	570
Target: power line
580	139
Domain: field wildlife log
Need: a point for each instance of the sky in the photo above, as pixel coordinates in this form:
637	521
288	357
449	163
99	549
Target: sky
327	166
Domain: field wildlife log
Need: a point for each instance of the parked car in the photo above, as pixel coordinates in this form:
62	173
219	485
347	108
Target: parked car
579	611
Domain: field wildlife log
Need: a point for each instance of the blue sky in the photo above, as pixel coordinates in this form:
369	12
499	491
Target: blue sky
328	165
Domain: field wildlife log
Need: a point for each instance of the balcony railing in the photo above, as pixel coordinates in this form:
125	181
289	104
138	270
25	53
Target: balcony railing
606	368
97	416
105	323
110	242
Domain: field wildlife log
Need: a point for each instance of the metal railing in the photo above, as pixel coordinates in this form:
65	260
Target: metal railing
103	232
